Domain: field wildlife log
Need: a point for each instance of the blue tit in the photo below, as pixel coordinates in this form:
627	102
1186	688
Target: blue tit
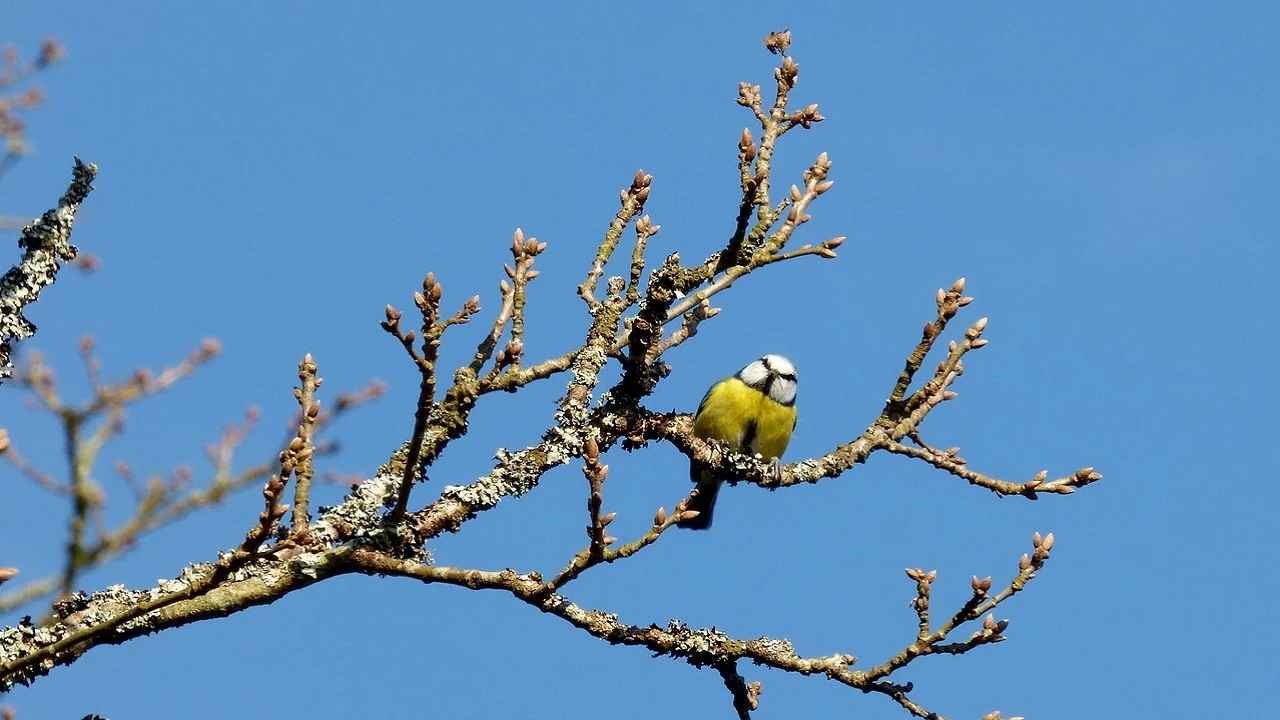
754	412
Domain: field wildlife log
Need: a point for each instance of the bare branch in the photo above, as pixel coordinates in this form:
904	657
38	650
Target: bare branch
46	244
359	535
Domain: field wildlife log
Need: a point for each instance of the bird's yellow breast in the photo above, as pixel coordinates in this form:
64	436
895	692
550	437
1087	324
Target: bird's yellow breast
749	420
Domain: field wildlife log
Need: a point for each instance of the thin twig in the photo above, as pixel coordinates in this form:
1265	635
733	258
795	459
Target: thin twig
632	200
309	410
746	696
589	558
1039	484
523	251
949	303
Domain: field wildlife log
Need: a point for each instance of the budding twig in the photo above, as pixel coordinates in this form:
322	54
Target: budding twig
428	304
1039	484
309	410
295	460
935	390
523	250
772	125
273	509
732	253
595	472
825	249
760	252
632	199
591	556
949	303
484	350
645	229
815	184
928	641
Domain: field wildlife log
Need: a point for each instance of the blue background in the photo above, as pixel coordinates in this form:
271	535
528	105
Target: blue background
272	174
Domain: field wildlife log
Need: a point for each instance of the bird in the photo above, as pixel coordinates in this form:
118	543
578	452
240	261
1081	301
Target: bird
752	411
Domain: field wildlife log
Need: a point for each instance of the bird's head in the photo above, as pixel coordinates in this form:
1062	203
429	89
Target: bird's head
772	375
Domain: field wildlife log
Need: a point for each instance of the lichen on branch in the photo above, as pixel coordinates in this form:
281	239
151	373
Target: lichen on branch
46	247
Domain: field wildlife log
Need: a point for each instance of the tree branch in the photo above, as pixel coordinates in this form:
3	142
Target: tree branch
46	244
359	535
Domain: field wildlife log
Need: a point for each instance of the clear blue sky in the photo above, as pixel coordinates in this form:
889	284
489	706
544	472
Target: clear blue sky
1104	175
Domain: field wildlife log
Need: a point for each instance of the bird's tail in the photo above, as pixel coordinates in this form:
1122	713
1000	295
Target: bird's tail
704	500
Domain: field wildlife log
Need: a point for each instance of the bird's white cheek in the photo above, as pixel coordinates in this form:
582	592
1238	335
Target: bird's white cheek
783	391
754	374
